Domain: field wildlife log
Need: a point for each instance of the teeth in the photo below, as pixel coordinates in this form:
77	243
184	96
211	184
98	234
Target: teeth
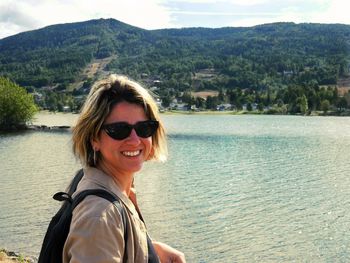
132	153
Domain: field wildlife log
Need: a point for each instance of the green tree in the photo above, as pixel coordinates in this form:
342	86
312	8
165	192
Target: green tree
342	104
200	103
212	102
325	106
186	97
16	105
302	103
166	100
249	106
221	96
260	106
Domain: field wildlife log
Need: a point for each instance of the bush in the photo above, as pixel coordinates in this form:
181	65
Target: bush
17	107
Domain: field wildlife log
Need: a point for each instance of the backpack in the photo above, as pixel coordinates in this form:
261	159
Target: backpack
58	229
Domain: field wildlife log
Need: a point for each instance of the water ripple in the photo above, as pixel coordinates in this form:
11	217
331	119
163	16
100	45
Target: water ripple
235	189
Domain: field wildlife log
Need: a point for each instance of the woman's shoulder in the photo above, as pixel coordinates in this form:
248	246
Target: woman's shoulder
94	208
96	226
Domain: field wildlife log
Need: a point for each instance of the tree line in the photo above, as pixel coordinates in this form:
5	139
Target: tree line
291	100
17	107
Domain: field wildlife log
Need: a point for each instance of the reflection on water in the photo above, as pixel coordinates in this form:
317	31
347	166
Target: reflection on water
235	188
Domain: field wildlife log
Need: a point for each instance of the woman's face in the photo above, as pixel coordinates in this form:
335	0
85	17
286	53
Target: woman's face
127	155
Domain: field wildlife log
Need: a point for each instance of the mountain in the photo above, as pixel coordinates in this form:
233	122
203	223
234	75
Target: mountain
262	57
56	54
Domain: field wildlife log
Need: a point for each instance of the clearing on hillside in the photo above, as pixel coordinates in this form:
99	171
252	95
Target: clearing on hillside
343	86
92	71
204	94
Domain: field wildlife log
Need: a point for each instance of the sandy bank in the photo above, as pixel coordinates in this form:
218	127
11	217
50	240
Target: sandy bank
9	257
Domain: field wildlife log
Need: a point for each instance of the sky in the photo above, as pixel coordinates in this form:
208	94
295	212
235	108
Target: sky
23	15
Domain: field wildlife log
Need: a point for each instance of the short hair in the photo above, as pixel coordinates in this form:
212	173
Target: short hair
103	96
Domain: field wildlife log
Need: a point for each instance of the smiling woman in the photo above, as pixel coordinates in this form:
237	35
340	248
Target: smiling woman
118	129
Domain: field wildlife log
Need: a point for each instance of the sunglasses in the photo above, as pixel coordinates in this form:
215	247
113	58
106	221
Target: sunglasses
122	130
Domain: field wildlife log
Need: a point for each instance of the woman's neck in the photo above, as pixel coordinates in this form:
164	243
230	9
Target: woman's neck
122	179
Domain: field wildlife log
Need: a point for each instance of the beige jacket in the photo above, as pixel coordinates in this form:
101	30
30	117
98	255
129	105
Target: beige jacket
97	233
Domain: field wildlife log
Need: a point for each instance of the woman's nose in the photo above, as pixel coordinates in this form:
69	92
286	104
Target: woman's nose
133	137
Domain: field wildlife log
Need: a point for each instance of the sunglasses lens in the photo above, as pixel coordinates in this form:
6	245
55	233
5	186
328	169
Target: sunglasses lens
122	130
146	129
118	131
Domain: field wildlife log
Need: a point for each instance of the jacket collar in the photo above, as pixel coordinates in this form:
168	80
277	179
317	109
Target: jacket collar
95	178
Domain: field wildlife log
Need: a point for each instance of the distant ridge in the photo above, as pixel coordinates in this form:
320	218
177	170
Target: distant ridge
269	55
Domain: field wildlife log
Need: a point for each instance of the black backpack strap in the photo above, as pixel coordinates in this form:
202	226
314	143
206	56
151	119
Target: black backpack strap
113	199
75	181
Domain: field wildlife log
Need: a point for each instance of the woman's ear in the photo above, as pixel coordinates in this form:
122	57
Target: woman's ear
96	148
151	154
95	144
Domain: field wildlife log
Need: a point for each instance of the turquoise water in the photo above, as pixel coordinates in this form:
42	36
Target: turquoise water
235	188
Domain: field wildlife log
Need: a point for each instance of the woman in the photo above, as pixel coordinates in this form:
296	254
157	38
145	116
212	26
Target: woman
118	129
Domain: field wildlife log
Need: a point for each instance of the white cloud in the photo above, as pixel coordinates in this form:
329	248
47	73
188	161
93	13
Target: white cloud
337	12
145	14
21	15
13	13
324	11
234	2
215	13
148	14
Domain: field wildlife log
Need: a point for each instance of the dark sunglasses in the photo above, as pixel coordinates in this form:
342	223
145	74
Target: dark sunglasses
122	130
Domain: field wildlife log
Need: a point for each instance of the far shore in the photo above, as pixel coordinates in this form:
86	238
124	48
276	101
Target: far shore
227	112
213	112
52	126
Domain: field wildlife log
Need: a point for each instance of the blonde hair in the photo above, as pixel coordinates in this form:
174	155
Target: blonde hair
103	96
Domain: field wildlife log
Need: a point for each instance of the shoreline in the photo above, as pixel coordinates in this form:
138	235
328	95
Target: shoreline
213	112
34	126
7	256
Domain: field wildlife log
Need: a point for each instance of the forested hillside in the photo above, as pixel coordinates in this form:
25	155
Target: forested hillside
278	63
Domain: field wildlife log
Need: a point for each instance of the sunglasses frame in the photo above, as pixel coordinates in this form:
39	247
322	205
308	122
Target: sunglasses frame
110	128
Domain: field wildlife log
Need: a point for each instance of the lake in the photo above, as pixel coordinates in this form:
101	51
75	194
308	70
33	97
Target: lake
235	188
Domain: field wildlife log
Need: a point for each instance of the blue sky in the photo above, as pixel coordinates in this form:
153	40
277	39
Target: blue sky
22	15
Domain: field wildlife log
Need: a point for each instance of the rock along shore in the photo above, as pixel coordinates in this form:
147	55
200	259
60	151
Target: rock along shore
48	128
10	257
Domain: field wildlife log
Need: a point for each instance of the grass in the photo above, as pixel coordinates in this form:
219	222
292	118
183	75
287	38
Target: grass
5	258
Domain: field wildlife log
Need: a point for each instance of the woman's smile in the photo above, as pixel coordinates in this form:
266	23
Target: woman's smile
131	153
